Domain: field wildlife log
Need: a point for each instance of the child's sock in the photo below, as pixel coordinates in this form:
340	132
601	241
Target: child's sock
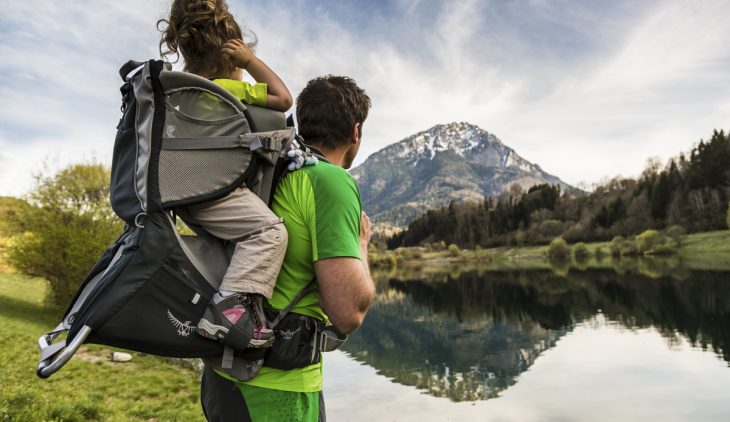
226	293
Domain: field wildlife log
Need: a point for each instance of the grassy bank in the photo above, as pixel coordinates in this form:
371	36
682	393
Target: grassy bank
90	386
702	251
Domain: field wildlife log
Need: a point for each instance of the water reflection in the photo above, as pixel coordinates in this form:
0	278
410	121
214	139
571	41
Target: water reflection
468	336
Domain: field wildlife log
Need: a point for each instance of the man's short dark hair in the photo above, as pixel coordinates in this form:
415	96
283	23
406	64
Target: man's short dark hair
328	108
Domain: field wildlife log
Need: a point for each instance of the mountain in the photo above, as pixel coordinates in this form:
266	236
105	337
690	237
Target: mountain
456	161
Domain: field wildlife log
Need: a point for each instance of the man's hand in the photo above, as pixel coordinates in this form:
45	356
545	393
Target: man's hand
238	52
365	231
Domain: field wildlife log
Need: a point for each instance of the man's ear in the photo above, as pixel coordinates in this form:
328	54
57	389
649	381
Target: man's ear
356	133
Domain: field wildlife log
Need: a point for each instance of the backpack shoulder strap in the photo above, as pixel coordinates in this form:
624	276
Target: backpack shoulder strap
305	290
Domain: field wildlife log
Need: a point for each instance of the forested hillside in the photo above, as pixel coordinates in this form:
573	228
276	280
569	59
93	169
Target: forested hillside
691	191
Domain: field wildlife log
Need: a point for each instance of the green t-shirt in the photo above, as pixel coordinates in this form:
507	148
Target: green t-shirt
321	209
255	94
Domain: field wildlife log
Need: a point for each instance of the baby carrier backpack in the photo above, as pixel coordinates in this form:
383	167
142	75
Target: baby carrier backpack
182	140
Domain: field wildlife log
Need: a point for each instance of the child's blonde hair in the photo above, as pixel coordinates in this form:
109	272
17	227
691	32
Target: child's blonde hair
197	29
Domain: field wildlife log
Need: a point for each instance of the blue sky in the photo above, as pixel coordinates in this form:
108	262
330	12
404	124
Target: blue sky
585	89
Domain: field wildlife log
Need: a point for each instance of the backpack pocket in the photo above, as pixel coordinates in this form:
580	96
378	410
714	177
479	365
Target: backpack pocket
294	346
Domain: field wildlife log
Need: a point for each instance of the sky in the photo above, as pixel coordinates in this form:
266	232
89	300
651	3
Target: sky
588	90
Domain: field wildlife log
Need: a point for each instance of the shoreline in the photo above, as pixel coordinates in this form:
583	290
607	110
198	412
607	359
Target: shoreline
701	251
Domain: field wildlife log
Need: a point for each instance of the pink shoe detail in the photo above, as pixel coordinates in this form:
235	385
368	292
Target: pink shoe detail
234	314
259	330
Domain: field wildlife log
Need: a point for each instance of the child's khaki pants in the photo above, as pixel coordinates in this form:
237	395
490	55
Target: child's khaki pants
260	238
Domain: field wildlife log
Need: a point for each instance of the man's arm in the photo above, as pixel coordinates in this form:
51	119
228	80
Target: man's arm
345	285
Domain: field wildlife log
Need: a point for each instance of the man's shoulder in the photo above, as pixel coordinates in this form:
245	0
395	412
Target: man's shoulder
323	167
321	181
325	174
322	176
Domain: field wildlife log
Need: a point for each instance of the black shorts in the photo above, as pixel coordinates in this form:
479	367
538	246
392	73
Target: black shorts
223	401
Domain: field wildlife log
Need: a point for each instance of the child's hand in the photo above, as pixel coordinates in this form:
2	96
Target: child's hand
238	52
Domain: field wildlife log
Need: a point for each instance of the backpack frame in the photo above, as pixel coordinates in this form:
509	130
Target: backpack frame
182	140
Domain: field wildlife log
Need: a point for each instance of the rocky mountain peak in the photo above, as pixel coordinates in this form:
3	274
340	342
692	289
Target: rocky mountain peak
453	161
460	137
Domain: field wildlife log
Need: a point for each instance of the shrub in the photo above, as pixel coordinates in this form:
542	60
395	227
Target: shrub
380	246
386	260
68	225
665	247
580	251
676	232
404	253
652	242
600	253
390	261
454	250
10	210
622	247
647	240
558	250
628	248
615	246
10	226
727	218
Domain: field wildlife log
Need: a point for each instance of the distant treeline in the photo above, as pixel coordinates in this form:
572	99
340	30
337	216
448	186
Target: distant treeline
690	191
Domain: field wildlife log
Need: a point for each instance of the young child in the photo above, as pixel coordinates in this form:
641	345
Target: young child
211	43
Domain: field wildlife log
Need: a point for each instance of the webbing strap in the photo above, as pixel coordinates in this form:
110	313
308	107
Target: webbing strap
253	141
250	176
308	288
211	142
271	143
328	343
227	359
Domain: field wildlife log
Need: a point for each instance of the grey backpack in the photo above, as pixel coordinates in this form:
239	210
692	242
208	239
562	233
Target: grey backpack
181	140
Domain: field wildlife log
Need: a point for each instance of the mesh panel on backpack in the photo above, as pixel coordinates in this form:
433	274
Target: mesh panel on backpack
184	175
195	112
198	113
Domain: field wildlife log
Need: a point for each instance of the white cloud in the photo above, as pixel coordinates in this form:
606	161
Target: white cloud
582	92
658	94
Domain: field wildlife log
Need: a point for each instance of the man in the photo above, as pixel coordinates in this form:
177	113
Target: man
328	240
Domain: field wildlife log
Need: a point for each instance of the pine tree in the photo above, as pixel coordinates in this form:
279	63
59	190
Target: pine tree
660	195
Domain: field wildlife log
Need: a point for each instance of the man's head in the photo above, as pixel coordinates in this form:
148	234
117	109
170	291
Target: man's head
330	112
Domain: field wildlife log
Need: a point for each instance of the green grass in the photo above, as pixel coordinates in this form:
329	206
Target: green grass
710	250
717	242
700	251
90	386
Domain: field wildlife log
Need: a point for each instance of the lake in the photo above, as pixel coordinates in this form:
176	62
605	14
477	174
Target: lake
640	341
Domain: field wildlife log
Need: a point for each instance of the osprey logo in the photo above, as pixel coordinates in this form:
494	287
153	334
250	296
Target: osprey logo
287	335
183	328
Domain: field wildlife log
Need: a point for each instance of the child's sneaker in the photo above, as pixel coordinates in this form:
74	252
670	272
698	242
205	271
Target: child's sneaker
237	321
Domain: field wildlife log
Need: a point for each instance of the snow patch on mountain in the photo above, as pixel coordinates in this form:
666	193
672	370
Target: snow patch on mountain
455	161
464	139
